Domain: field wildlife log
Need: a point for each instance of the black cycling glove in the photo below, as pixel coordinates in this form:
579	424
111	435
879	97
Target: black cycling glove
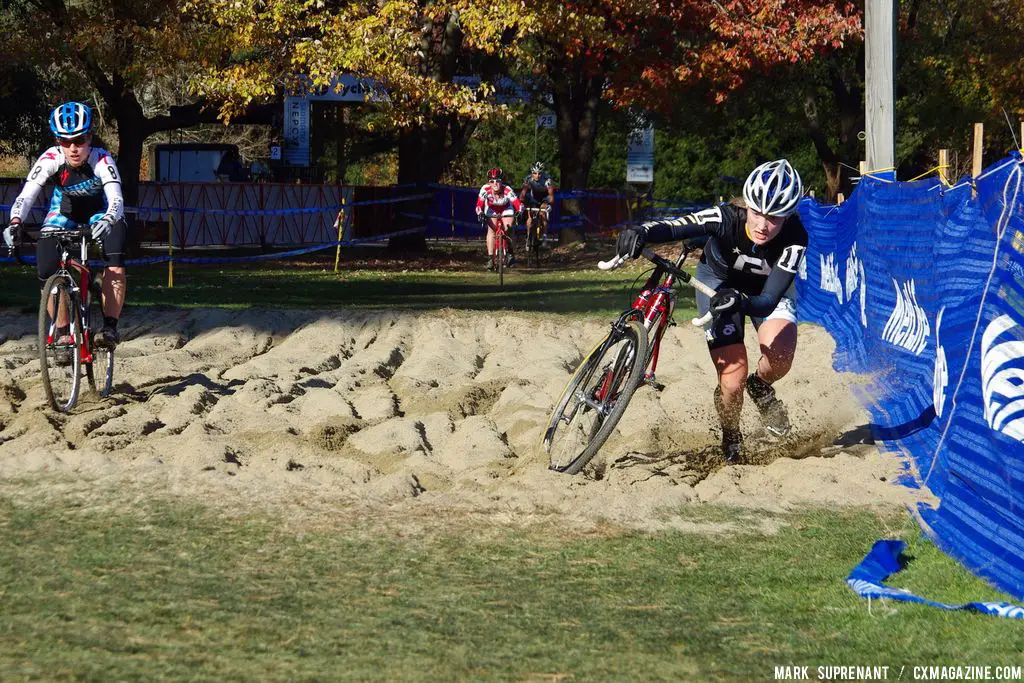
631	242
728	300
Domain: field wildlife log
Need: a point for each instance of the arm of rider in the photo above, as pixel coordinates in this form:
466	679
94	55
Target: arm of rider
632	240
710	221
12	232
778	282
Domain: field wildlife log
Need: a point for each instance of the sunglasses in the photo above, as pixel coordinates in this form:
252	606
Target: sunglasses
80	141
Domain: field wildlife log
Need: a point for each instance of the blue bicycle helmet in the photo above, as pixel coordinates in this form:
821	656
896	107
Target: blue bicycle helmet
71	119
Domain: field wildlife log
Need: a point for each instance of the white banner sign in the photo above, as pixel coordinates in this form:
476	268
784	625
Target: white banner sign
547	120
296	131
640	156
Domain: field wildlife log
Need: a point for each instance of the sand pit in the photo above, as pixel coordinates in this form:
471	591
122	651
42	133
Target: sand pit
432	412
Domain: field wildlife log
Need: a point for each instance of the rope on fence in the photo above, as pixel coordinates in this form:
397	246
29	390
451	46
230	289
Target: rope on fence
258	212
276	256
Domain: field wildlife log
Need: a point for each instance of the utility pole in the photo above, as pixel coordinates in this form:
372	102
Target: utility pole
880	101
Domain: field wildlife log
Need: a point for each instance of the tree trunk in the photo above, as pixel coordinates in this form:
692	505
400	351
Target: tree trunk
848	101
576	102
424	152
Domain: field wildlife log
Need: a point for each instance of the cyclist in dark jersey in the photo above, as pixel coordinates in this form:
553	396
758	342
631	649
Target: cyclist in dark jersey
751	259
86	191
538	191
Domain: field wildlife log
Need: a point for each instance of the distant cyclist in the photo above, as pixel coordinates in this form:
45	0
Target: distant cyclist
538	192
751	259
86	191
497	199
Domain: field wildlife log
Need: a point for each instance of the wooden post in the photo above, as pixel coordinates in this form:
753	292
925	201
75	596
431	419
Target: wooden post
341	228
170	250
943	166
976	158
879	90
810	193
840	198
863	168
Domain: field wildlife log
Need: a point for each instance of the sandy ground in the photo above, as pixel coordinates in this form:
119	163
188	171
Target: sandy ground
425	414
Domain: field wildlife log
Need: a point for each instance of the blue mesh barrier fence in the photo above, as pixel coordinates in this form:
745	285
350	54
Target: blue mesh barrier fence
922	287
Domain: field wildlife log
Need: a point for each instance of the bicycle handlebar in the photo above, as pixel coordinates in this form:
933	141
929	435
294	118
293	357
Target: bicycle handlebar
76	233
670	267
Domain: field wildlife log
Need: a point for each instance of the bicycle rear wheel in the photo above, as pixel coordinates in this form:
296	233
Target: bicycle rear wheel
60	357
100	371
595	399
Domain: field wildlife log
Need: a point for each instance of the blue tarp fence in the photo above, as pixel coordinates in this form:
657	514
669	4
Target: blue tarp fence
922	287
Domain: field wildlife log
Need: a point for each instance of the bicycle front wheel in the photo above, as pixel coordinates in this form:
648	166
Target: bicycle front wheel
499	254
101	370
595	399
60	343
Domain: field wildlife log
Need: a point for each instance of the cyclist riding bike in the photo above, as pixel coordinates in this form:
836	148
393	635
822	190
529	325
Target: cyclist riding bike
497	199
538	193
751	259
86	190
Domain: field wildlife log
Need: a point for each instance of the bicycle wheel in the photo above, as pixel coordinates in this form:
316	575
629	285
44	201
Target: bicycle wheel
100	371
595	399
60	358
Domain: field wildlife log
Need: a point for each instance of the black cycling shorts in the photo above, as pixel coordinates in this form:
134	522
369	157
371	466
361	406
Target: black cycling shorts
727	330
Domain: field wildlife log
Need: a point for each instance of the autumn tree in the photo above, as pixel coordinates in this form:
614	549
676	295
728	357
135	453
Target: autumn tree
644	54
117	50
629	52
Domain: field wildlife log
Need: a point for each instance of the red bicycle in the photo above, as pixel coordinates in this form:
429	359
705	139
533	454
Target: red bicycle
502	245
603	384
70	315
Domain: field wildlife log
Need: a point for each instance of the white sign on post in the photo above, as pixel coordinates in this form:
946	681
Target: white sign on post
546	120
640	156
296	131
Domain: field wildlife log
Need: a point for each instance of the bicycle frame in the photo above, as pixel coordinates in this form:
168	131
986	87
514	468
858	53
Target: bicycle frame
65	266
654	306
500	234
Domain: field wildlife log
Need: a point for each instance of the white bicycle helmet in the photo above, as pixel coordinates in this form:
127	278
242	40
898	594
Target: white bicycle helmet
71	119
537	168
773	188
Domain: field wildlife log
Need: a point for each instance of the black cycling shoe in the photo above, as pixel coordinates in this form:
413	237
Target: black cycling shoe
108	337
732	445
773	412
511	260
490	263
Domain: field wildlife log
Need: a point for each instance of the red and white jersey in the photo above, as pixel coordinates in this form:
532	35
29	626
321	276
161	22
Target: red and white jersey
497	201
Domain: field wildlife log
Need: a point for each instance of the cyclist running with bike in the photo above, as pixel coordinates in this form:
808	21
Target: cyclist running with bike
538	193
86	190
751	259
497	199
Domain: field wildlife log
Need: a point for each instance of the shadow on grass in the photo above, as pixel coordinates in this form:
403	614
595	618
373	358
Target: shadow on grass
574	292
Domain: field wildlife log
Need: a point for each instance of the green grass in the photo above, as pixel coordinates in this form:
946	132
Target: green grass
163	590
591	292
